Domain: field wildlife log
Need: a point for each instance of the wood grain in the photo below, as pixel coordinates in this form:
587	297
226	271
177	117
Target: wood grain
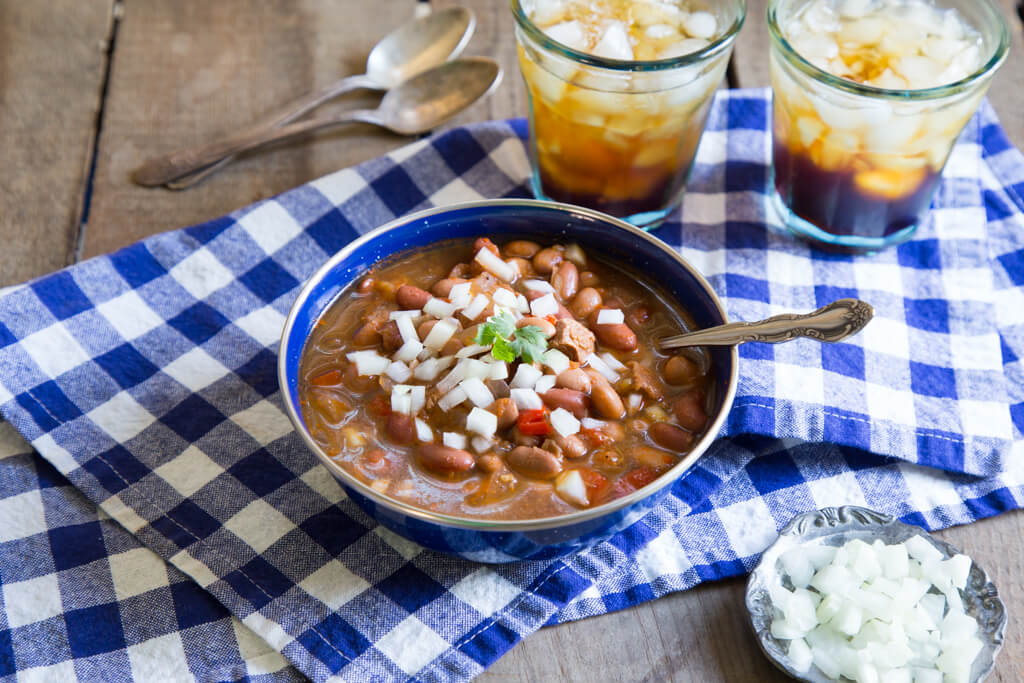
51	76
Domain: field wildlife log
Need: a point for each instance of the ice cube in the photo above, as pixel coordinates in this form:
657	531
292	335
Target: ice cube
816	46
683	47
653	13
547	11
919	71
866	31
660	31
820	18
890	81
700	24
614	43
890	138
854	9
569	33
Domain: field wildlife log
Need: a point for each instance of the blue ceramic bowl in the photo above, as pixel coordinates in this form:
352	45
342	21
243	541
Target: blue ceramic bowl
486	540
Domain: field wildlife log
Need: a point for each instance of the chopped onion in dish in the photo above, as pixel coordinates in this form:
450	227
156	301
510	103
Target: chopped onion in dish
526	399
499	310
476	307
610	316
407	328
556	360
401	403
570	486
504	297
545	305
574	252
497	370
439	308
493	264
595	361
429	369
526	377
417	394
369	362
476	368
480	444
398	315
522	304
477	392
612	361
471	350
425	354
451	399
450	380
440	333
454	440
423	431
544	384
483	422
876	612
539	286
634	402
460	294
564	422
409	351
591	423
398	371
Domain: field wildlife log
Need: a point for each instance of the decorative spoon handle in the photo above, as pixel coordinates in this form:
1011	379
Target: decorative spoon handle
834	322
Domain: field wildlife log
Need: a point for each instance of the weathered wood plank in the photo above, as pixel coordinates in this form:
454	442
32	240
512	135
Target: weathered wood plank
1006	95
51	76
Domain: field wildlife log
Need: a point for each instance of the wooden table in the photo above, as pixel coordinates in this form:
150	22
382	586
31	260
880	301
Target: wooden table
89	88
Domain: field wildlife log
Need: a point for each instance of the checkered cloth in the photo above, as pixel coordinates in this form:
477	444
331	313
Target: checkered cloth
147	379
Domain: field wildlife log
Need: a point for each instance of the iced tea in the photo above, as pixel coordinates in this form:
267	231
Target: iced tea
619	94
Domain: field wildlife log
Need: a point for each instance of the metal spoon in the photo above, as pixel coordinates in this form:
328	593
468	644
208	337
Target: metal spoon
834	322
410	49
416	106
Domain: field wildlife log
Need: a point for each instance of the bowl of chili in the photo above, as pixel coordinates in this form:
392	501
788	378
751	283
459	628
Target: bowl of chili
359	410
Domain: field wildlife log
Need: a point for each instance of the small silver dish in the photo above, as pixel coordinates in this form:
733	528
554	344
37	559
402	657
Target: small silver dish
835	527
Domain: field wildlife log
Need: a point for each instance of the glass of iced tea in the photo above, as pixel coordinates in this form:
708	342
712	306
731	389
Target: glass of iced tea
619	92
869	97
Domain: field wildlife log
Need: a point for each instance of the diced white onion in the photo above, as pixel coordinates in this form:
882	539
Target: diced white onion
476	307
423	431
429	369
598	363
398	371
471	350
526	399
545	305
483	422
539	286
556	360
591	423
454	440
476	368
369	362
439	308
411	314
522	304
419	397
409	351
544	384
610	316
570	486
450	380
921	550
574	253
564	422
407	328
634	401
526	377
477	392
612	362
460	294
440	333
425	354
504	297
480	444
401	403
497	370
501	270
451	399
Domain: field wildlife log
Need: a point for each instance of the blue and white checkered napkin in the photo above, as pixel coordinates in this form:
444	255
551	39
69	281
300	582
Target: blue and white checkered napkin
146	378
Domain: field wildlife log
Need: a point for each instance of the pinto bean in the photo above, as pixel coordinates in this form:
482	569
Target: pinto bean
524	266
589	279
368	335
689	411
605	399
546	327
401	428
534	462
545	260
574	379
442	288
670	436
444	459
571	446
391	338
410	297
357	383
498	387
522	248
452	346
573	401
507	412
566	280
563	312
489	462
680	370
520	439
615	335
586	301
425	327
484	243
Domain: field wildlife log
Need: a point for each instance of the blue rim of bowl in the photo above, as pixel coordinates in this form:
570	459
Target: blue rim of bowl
713	48
515	525
923	94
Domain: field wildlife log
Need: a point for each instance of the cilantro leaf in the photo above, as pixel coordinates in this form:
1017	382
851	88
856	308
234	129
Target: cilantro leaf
508	343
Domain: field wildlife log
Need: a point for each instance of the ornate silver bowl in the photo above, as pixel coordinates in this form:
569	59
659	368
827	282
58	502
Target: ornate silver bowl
836	526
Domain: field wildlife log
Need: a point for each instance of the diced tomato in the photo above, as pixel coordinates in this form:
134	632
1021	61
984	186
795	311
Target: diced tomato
596	483
327	379
534	422
640	477
379	407
551	318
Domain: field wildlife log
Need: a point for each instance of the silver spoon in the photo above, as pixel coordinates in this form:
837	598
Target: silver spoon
416	106
410	49
831	323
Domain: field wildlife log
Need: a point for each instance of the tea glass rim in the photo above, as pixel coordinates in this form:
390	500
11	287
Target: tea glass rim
714	48
916	95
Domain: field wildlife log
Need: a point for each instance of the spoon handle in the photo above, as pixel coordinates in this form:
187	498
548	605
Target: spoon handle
834	322
281	116
164	169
